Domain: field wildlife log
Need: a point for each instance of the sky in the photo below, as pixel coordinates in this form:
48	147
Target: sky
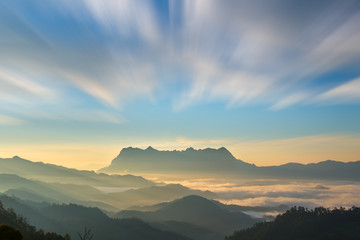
273	81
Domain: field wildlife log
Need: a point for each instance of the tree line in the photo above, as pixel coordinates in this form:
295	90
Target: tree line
306	224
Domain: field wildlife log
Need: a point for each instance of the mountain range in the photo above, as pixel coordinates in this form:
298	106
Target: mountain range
199	213
72	219
38	191
54	173
64	200
37	181
220	162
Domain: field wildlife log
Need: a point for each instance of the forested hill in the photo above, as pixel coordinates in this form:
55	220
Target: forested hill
9	218
300	223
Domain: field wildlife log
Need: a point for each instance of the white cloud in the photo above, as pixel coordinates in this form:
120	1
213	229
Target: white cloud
289	100
347	92
300	193
14	82
6	120
126	16
233	52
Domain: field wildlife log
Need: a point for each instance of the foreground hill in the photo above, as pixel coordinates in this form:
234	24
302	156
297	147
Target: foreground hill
198	211
14	226
53	173
211	162
300	223
73	218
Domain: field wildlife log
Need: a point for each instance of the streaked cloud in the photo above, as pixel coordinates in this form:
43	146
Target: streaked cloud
247	52
126	17
7	120
347	92
289	101
16	87
155	66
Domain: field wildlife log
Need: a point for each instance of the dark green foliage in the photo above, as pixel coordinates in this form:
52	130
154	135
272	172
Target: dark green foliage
10	218
9	233
190	230
299	223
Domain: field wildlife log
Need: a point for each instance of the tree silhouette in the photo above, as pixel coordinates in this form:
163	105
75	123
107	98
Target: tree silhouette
87	235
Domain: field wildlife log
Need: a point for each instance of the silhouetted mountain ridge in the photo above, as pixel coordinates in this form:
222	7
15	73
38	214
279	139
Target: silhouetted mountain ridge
220	161
189	160
54	173
198	211
73	218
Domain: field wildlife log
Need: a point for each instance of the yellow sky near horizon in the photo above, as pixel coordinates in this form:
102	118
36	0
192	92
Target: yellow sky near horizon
262	153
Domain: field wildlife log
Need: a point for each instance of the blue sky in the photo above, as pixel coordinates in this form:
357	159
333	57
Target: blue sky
102	74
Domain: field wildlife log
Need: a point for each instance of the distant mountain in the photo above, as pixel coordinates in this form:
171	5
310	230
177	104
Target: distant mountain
323	170
300	223
37	191
153	195
212	162
26	194
74	218
151	160
199	212
53	173
30	189
228	207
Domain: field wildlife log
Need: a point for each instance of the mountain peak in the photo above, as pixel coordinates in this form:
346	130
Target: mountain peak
223	149
150	148
189	160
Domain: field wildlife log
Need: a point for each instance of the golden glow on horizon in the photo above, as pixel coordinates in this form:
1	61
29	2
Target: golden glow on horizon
262	153
309	149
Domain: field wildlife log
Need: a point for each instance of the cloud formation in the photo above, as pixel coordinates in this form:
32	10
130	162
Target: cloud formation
248	52
347	92
6	120
274	192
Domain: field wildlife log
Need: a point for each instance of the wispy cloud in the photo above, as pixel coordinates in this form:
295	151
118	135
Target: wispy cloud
16	86
6	120
266	56
347	92
290	100
126	17
237	53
